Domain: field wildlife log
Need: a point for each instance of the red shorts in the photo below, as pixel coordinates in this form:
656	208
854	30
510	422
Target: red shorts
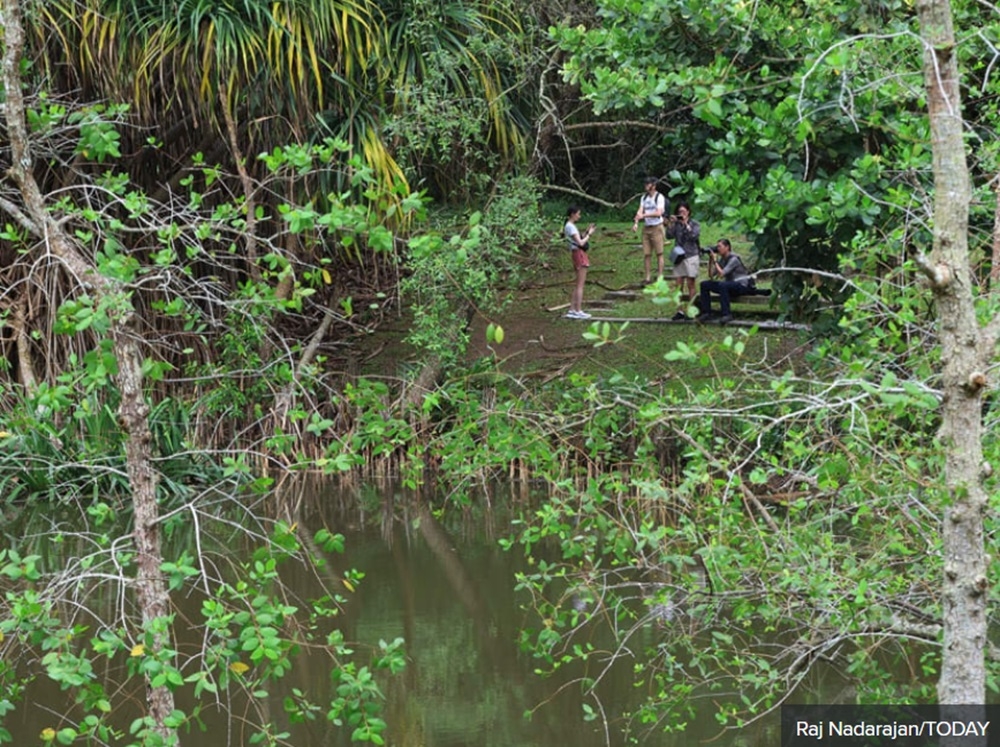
580	259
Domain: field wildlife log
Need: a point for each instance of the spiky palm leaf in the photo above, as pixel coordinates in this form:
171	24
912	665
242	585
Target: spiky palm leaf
283	60
423	33
186	52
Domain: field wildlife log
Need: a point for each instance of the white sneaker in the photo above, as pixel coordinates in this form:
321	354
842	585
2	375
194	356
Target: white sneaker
583	315
572	314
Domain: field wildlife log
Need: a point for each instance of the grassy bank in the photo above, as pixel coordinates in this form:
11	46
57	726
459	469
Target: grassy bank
540	343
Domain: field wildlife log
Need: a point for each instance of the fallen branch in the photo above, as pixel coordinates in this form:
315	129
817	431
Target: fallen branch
749	323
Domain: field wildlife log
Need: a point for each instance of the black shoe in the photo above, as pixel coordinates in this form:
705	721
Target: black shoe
680	316
706	316
725	319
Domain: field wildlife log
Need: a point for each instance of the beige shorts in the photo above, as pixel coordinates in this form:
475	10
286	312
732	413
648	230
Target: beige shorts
652	240
687	268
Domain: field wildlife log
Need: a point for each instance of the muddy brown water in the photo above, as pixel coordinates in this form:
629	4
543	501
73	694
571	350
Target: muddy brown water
446	587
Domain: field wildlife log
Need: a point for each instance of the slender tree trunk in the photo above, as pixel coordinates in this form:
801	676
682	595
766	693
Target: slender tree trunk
34	215
995	256
25	359
964	356
151	592
250	229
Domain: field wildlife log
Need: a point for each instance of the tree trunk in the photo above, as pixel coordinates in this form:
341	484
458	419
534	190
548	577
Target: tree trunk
34	215
964	357
151	592
995	256
25	364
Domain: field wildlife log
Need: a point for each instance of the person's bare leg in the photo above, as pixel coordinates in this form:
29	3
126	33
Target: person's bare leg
576	304
646	264
659	265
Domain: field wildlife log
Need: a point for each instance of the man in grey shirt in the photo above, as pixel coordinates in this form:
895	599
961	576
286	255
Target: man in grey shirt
735	282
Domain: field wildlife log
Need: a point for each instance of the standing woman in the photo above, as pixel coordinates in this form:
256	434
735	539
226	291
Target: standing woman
578	252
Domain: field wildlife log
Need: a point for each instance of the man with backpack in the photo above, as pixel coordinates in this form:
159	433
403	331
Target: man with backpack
652	208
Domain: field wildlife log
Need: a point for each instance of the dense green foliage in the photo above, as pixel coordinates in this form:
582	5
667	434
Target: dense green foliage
801	124
685	525
253	639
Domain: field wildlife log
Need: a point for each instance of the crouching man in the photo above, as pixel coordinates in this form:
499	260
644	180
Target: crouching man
734	280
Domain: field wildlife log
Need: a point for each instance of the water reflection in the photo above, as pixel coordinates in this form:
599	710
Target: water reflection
443	585
448	591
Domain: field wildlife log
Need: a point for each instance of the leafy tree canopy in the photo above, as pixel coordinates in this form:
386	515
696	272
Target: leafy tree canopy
804	122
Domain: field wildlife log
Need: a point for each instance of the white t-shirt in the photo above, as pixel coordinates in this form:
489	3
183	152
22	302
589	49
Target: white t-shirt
653	202
573	236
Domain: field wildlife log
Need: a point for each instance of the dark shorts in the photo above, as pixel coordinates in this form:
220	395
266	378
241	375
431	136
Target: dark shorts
580	259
